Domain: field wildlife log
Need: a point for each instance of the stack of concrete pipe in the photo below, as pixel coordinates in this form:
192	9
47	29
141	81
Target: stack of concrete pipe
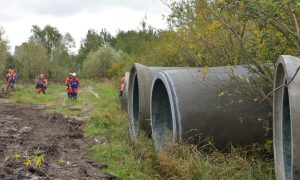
286	118
186	104
174	104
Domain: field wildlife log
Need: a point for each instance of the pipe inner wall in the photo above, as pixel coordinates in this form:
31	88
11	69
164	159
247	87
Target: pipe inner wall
135	105
139	91
161	115
286	134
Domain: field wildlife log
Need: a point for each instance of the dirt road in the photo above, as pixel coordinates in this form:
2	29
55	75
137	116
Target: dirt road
38	146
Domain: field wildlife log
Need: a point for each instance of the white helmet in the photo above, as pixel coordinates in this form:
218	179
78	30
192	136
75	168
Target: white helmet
74	74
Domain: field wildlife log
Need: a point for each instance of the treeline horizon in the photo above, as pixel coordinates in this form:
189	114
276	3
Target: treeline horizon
200	33
48	51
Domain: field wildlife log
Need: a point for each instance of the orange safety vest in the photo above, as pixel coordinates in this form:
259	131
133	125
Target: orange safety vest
68	81
122	86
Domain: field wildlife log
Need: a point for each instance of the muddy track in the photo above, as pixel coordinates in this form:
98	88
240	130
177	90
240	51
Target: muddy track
25	131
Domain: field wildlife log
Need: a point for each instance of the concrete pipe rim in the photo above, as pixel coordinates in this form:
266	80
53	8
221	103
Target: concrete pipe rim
282	129
133	110
126	81
164	100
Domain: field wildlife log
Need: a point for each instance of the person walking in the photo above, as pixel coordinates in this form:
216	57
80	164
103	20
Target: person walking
75	85
42	83
69	85
11	78
122	86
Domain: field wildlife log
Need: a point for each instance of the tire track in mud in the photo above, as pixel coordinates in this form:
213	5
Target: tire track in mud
26	131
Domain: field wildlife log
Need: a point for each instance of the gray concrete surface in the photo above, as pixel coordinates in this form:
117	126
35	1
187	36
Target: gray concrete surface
139	89
286	119
189	105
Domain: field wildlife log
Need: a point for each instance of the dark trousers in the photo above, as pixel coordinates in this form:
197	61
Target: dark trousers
74	93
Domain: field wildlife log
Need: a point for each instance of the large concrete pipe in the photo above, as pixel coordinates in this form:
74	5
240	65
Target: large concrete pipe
139	89
124	98
286	118
186	104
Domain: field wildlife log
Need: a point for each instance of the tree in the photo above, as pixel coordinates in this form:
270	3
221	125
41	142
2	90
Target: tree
30	60
255	34
68	41
91	43
49	37
99	63
105	35
58	49
134	42
4	54
9	63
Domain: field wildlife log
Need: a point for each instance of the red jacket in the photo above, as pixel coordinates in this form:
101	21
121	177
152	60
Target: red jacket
68	81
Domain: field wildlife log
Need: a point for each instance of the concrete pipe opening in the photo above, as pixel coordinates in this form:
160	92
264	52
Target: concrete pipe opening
284	116
161	115
139	91
135	105
135	98
286	134
286	122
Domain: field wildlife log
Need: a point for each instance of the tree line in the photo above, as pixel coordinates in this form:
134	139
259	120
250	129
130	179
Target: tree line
200	33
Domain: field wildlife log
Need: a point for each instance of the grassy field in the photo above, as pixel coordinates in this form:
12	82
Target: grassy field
107	123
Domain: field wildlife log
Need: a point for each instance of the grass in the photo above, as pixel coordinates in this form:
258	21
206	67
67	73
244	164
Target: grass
27	94
184	161
107	122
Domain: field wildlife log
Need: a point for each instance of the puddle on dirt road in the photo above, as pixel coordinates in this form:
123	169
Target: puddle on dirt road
38	146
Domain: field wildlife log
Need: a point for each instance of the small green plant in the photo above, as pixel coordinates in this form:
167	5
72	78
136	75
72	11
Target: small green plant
27	161
61	161
37	159
17	156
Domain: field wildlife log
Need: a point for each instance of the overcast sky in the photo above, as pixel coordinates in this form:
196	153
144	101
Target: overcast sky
77	16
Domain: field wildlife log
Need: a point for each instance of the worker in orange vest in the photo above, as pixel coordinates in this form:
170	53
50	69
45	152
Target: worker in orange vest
42	83
122	86
68	83
11	78
75	85
8	78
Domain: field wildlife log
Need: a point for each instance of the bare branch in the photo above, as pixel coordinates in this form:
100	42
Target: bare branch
295	20
280	23
279	87
240	41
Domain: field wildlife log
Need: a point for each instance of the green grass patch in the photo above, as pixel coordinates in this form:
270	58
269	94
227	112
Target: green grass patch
184	161
27	94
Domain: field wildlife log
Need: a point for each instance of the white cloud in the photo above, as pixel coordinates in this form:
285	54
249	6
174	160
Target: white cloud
77	16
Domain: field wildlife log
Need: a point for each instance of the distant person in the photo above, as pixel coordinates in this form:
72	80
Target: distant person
122	86
75	85
68	83
8	77
42	83
11	78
